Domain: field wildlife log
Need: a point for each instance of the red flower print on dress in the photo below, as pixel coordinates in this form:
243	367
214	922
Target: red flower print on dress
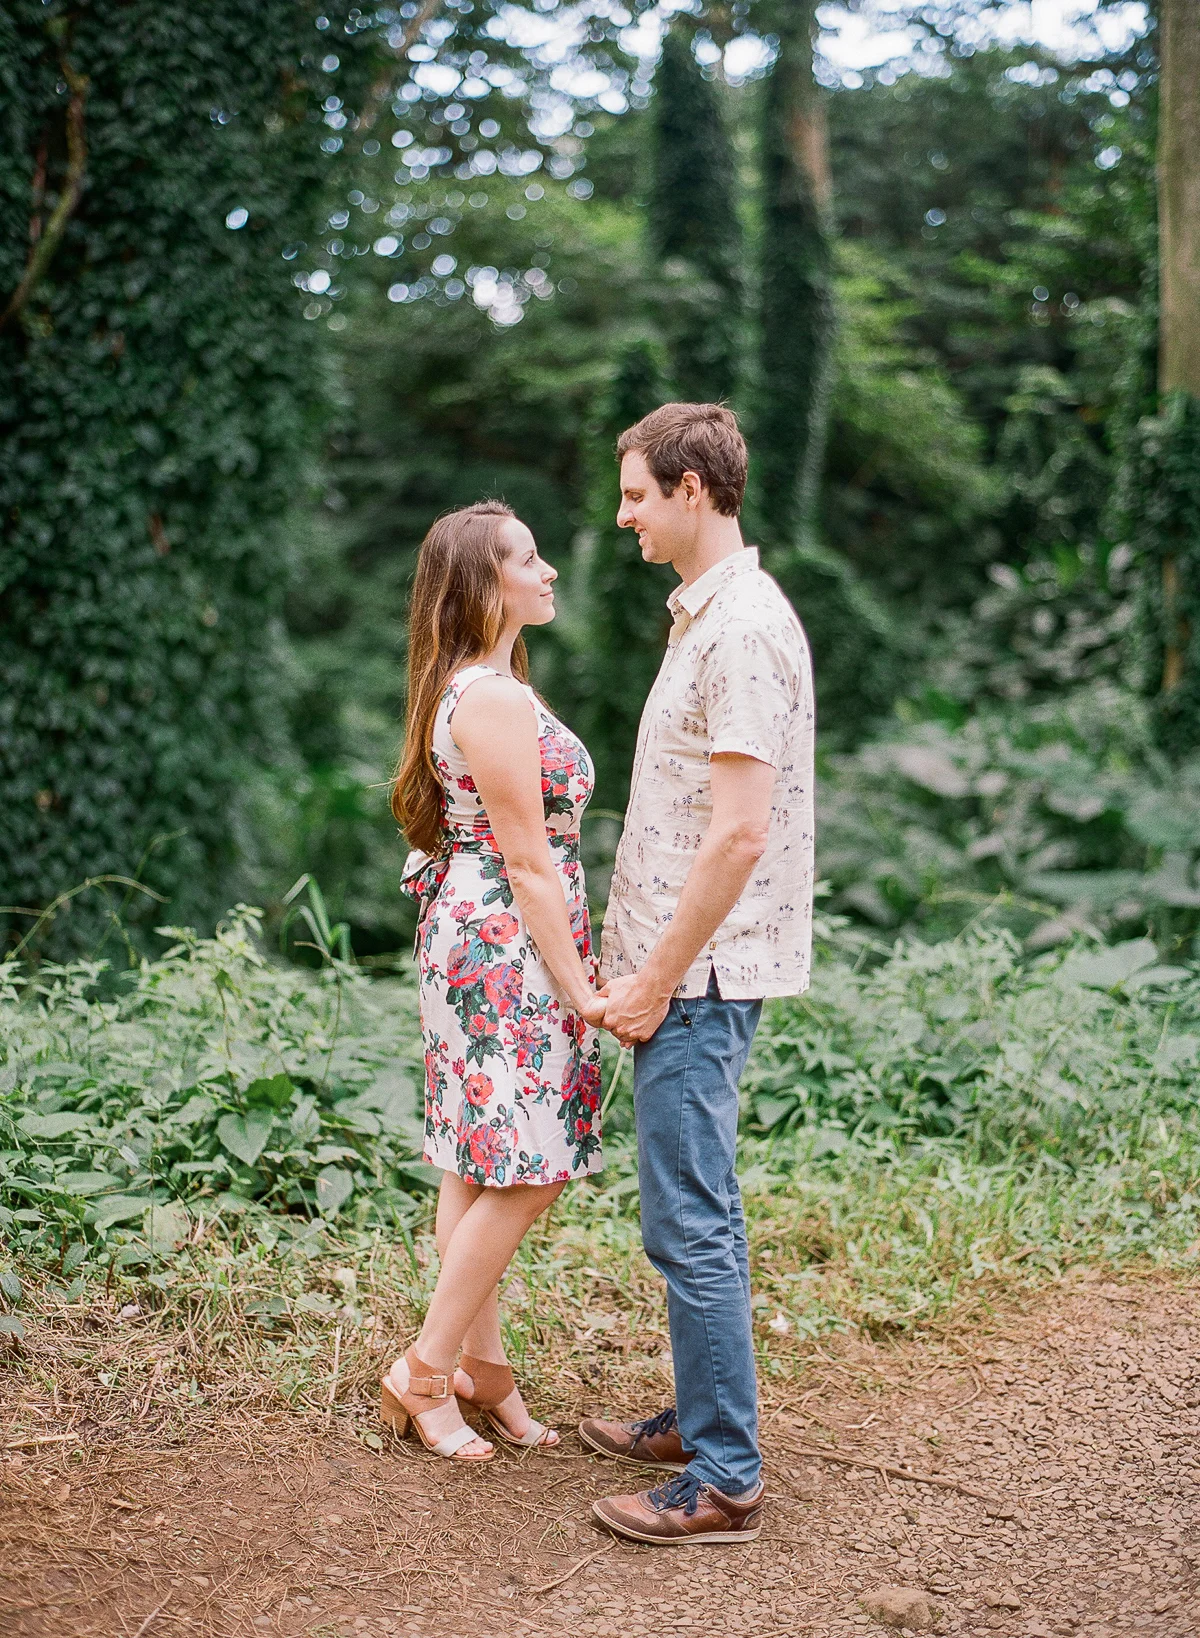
531	1041
463	966
498	928
477	1089
488	1149
502	986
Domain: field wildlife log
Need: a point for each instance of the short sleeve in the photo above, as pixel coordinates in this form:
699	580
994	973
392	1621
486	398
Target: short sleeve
750	679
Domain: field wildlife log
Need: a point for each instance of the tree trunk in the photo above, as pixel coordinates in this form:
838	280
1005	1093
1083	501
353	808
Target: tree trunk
797	303
694	232
1179	197
1179	360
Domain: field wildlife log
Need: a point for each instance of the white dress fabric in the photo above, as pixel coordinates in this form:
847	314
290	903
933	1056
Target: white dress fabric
512	1075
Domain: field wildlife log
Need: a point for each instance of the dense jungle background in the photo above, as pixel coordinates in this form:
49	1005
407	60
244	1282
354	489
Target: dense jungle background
281	287
324	278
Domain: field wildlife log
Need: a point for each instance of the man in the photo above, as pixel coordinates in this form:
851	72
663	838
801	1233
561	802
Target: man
710	913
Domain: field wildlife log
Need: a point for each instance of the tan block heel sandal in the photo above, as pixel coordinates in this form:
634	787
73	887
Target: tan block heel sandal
426	1390
490	1387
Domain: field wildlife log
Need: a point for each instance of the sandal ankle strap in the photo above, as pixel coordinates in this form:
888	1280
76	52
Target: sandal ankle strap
427	1384
492	1383
423	1386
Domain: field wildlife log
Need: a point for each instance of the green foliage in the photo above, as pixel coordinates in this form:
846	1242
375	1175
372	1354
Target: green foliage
622	634
695	235
796	314
1164	529
443	405
857	649
159	398
908	499
210	1138
967	1039
1051	817
981	186
196	1084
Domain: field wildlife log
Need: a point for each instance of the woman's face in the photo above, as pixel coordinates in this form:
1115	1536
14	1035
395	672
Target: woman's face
526	579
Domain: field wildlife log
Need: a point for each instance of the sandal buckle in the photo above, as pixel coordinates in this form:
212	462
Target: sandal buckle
445	1381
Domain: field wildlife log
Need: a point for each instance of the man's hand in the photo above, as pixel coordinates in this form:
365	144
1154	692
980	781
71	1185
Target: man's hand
635	1008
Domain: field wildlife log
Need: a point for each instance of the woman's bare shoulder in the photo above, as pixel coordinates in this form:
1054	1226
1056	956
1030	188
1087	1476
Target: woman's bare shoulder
490	704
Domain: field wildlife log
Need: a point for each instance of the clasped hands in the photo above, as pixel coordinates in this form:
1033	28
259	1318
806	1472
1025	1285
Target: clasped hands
631	1008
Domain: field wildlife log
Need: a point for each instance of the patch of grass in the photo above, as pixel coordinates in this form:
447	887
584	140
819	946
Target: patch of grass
920	1141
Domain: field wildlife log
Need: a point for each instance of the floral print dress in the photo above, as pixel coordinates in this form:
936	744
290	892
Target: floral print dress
512	1075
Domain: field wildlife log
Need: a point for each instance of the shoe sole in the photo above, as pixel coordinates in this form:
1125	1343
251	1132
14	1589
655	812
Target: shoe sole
727	1536
634	1461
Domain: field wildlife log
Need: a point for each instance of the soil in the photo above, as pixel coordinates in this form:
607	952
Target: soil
1062	1439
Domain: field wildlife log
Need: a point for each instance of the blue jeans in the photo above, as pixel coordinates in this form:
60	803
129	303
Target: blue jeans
686	1098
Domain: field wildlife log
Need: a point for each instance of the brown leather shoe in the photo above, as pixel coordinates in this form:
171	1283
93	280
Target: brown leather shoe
653	1442
683	1510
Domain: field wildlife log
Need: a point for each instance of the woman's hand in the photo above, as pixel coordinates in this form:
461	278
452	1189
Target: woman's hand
592	1011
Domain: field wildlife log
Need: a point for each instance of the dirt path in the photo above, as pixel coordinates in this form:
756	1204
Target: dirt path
1075	1424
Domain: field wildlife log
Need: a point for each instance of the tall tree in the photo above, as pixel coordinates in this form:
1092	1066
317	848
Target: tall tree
159	400
1165	485
694	231
796	301
625	599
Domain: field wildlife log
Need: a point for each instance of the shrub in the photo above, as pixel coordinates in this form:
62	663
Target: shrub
202	1083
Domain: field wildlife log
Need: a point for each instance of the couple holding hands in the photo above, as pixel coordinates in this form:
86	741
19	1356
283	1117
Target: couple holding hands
710	913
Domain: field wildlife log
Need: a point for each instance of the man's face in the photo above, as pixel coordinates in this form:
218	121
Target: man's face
665	524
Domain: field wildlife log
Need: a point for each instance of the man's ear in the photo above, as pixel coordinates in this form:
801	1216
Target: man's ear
693	487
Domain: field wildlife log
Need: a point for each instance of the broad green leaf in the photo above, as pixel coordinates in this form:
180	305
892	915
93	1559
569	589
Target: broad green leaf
116	1208
305	1120
166	1226
269	1093
769	1111
86	1183
362	1120
54	1126
316	1302
1108	968
333	1151
335	1185
11	1326
76	1253
194	1110
1146	977
10	1285
267	1307
245	1136
1166	819
1100	889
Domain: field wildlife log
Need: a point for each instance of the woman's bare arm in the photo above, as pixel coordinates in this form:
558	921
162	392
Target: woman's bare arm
495	728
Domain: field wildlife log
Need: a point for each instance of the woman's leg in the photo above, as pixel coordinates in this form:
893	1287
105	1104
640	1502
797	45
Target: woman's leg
482	1338
477	1251
478	1231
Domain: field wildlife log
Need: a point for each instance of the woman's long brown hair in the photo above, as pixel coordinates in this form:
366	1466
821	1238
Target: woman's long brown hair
456	614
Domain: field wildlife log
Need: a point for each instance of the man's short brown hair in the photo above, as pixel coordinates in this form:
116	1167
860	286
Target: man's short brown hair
699	438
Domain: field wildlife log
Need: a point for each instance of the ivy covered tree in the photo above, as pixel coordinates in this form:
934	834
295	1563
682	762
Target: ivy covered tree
159	402
796	315
1166	462
695	233
618	656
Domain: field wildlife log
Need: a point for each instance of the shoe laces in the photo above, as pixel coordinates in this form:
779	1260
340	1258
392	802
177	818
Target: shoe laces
680	1490
662	1423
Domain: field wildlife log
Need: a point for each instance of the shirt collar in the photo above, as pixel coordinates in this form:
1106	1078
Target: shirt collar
691	599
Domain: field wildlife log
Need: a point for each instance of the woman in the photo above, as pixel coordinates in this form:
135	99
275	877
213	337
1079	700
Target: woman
490	792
